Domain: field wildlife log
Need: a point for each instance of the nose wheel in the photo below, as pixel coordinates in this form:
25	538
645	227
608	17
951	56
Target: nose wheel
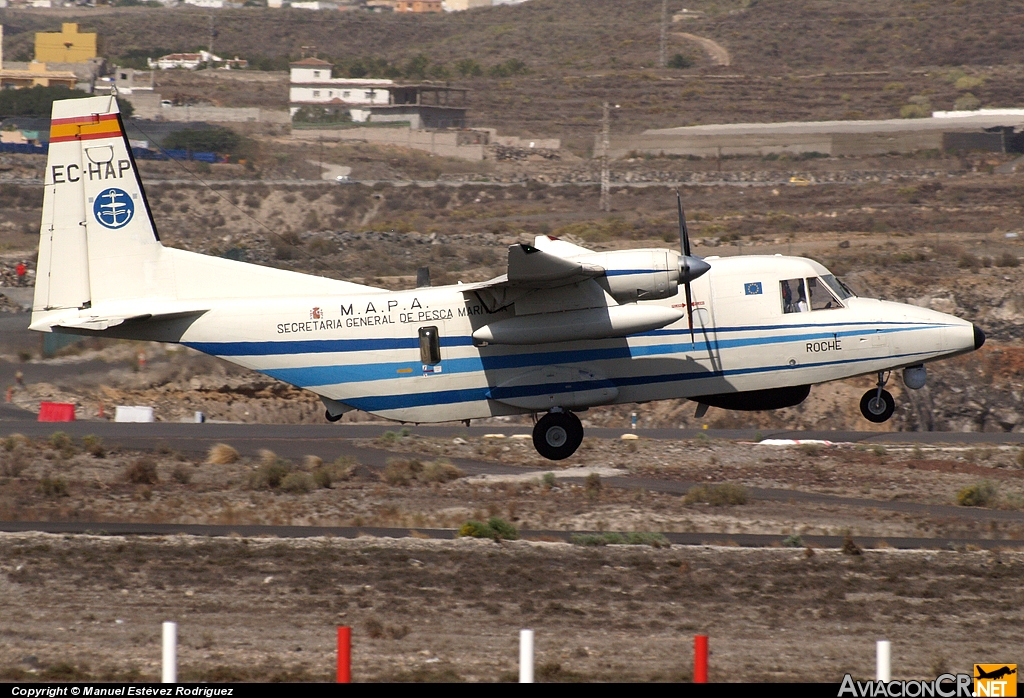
878	405
557	435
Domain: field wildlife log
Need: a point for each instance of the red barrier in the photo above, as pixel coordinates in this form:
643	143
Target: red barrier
344	655
700	659
56	412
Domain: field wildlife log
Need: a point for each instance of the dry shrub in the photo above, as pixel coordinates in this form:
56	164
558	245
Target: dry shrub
222	454
14	463
851	548
341	469
14	440
141	472
717	495
182	474
405	472
312	462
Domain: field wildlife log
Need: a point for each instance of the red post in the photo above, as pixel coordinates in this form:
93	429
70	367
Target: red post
344	655
700	659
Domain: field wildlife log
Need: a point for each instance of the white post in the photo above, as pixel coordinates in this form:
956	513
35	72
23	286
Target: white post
525	656
883	661
170	659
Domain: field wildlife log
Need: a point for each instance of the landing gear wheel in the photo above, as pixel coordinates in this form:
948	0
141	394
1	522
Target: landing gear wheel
557	435
877	406
332	418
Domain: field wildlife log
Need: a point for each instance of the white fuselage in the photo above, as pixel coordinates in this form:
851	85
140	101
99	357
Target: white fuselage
364	350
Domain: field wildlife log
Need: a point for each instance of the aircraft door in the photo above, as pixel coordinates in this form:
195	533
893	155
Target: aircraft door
431	352
705	349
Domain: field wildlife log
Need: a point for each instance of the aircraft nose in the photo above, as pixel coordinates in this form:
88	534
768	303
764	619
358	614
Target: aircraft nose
979	337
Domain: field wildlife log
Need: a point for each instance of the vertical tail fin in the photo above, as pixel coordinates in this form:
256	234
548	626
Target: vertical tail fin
97	238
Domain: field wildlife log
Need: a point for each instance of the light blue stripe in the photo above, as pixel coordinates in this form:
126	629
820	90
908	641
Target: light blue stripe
379	403
314	376
330	346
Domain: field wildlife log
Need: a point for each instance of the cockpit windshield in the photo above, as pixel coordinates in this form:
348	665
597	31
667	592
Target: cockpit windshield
838	287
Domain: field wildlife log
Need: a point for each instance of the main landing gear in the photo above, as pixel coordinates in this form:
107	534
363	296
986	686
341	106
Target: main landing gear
557	434
877	404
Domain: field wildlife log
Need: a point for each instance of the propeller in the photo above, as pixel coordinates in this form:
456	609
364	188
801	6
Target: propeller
690	267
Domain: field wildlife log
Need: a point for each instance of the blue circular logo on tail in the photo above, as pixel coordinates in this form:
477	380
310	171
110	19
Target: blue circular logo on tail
113	208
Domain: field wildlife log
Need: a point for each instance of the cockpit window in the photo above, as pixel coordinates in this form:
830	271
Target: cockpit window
794	298
838	287
821	299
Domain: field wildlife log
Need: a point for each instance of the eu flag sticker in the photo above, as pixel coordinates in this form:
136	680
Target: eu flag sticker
752	289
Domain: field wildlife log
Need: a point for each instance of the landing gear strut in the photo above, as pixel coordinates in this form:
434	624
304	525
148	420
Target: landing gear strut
557	435
877	404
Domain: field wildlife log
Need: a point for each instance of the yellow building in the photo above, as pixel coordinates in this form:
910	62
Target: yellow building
66	46
37	74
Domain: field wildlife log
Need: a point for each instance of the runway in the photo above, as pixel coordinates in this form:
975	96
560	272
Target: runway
331	441
192	437
746	540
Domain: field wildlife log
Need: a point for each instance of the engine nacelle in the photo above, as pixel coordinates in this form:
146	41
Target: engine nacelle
637	275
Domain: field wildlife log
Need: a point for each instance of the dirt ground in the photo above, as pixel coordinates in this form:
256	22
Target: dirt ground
78	607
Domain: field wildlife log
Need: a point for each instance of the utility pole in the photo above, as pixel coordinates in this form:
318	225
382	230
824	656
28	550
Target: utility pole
605	175
662	58
213	35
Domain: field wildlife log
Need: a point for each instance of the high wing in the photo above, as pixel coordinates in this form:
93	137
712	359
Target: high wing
559	295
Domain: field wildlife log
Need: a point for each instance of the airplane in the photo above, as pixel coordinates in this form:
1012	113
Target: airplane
563	330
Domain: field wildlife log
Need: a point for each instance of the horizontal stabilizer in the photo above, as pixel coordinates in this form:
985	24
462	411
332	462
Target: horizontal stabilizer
100	322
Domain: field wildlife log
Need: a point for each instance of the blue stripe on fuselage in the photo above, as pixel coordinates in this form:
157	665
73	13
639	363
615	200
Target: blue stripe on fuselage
381	403
313	376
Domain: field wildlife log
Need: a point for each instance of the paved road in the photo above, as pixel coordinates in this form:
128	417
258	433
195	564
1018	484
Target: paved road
331	441
742	539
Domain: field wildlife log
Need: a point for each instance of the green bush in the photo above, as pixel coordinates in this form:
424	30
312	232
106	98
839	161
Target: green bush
94	446
53	487
717	495
38	101
297	483
212	140
60	441
592	485
680	61
498	529
977	495
320	115
793	541
269	475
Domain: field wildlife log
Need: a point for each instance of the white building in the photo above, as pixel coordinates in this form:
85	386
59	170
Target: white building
191	61
463	5
311	84
314	5
213	4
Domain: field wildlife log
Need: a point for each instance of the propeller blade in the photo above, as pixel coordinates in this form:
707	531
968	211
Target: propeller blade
684	235
689	311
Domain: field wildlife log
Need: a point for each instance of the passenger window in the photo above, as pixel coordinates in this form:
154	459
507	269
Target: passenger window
794	299
821	298
430	346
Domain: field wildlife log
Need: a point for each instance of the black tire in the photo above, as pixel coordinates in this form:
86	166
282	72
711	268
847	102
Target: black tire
875	410
332	418
557	435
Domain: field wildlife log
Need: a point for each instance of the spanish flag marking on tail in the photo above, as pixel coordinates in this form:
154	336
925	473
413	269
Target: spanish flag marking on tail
84	128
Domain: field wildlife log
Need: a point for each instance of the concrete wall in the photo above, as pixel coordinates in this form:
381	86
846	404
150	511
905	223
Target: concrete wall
147	106
443	143
749	144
